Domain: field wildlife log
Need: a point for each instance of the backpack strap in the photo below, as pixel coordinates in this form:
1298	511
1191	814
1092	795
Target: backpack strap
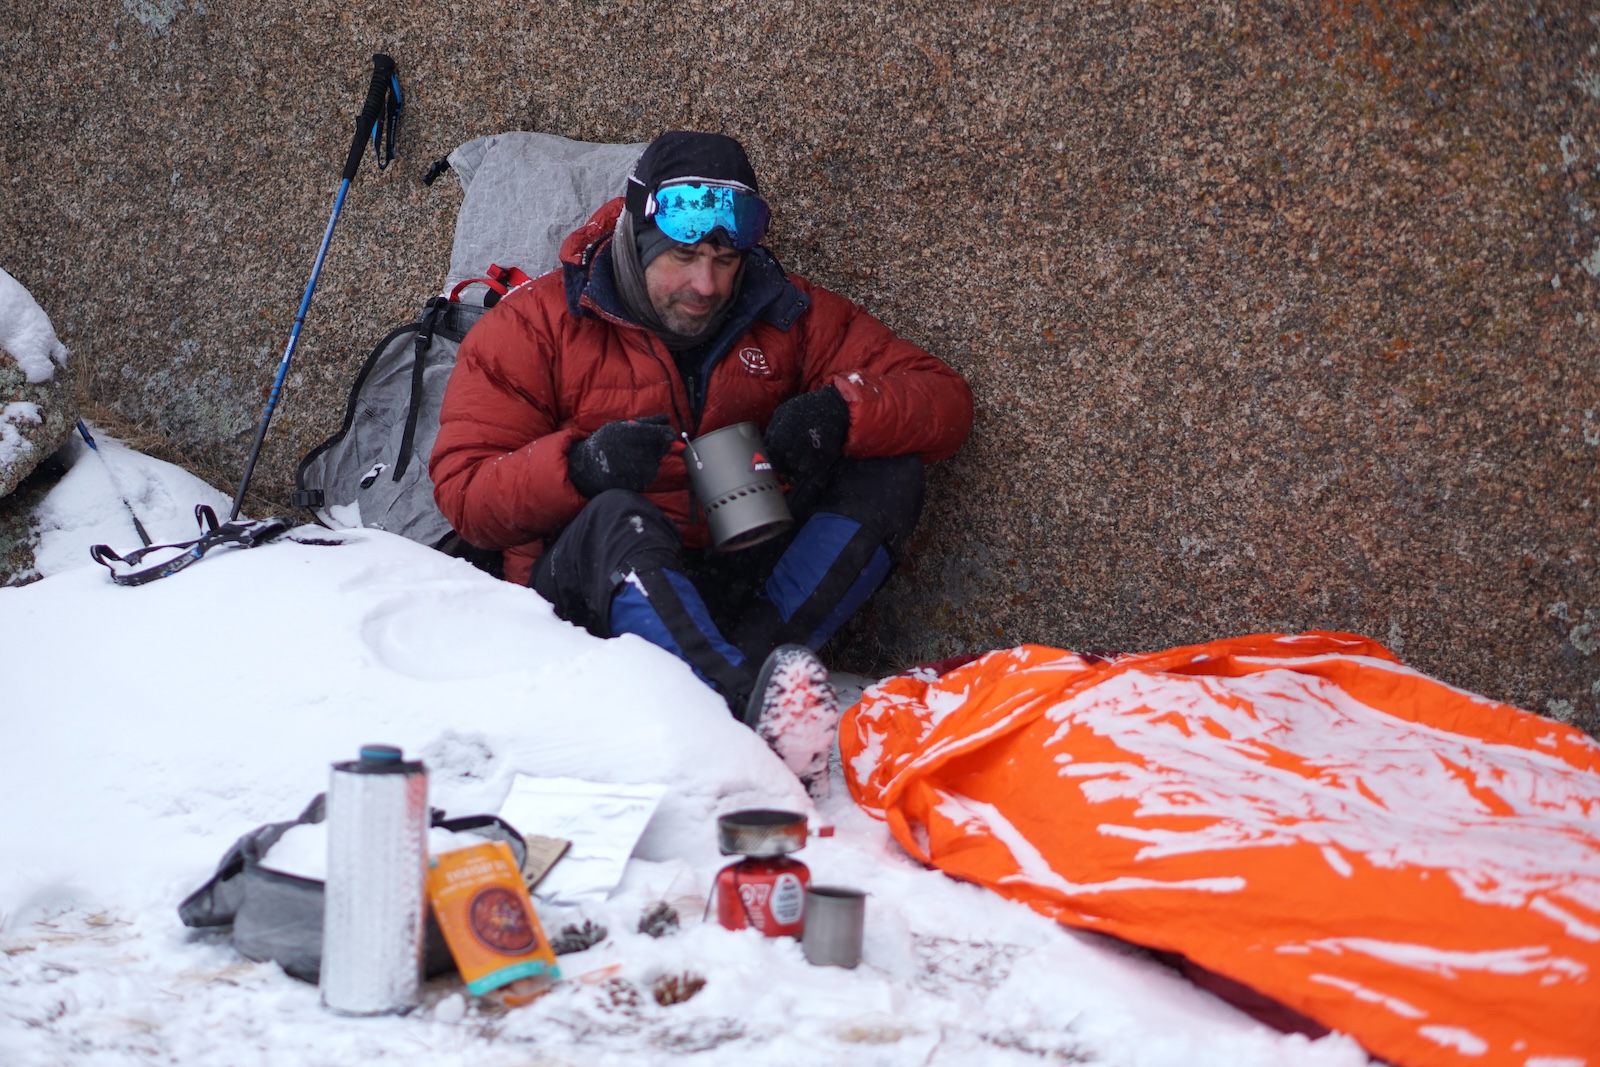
500	280
439	167
510	276
419	363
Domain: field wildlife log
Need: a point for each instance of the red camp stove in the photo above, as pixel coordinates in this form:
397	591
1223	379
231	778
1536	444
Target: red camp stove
765	890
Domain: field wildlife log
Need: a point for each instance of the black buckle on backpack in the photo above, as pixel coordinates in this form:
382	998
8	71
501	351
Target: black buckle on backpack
439	167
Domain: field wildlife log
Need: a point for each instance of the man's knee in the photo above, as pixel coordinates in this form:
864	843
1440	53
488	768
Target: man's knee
843	551
623	522
617	531
884	495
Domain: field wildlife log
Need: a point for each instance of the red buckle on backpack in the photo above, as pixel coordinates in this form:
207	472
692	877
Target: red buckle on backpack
500	280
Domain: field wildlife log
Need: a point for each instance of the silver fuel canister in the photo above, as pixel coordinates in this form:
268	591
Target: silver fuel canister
374	909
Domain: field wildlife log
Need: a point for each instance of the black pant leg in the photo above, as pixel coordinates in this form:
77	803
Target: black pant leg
616	532
621	545
884	495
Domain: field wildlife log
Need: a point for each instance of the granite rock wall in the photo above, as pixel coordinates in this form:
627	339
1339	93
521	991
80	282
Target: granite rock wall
1279	315
36	418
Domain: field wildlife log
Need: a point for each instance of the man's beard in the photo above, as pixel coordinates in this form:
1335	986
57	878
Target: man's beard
679	321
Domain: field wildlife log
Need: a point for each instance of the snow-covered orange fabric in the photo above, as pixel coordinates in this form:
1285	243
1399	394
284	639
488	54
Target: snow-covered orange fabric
1400	860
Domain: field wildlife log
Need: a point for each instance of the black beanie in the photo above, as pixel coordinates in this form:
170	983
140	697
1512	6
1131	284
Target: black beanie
650	241
683	154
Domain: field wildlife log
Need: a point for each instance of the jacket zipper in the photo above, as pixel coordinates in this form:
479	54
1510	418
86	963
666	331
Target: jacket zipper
674	380
689	429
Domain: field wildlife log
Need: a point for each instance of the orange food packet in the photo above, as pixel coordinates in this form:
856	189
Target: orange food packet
487	917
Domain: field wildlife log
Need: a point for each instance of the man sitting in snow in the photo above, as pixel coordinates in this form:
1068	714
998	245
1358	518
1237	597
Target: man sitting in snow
561	437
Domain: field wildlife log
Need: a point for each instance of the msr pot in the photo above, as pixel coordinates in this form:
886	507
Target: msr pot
736	486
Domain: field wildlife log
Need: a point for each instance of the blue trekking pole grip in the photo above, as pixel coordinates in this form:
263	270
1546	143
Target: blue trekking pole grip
383	76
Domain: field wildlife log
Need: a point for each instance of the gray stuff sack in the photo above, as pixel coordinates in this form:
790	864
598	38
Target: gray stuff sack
524	192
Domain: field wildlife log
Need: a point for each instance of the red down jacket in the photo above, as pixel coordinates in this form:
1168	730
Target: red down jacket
550	364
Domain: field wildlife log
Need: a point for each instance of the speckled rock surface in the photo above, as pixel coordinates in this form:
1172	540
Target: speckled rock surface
36	418
1278	315
18	538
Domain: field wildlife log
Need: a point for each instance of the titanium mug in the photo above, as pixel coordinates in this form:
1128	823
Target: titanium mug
736	486
835	924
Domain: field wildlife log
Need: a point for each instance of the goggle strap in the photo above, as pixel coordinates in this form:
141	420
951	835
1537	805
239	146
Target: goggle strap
720	183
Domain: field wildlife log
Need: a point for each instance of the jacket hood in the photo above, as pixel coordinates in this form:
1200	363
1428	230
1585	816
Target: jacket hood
591	235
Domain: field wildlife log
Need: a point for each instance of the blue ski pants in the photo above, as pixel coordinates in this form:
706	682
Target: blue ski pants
620	567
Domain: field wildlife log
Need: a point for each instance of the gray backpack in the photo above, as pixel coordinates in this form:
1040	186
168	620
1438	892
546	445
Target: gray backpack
524	193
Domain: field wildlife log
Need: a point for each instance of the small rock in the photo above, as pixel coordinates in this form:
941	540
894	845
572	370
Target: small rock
574	938
659	919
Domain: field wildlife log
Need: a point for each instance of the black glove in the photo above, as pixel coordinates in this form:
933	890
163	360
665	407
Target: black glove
807	434
620	455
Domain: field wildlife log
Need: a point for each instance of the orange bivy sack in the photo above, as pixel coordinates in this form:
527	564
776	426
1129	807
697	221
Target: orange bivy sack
1394	858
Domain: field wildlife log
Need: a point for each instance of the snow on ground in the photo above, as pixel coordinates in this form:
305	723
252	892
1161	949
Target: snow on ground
143	729
92	502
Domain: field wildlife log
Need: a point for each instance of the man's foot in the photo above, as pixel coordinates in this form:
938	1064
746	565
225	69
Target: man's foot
793	708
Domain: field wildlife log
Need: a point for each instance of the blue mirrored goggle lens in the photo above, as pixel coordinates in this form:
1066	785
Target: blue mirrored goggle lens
689	213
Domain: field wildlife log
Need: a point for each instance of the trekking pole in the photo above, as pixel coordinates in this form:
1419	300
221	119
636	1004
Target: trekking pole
88	439
382	103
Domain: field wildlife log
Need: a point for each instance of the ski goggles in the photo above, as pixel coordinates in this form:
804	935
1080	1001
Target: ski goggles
690	211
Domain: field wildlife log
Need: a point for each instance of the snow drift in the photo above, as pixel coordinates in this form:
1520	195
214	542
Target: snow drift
145	728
